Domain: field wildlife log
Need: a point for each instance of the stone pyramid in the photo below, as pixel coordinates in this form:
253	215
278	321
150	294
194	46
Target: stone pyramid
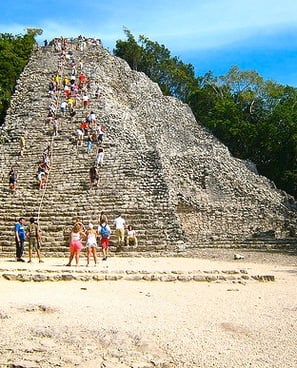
169	177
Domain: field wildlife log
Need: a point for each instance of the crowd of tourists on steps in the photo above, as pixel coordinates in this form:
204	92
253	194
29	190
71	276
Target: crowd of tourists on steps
81	238
70	90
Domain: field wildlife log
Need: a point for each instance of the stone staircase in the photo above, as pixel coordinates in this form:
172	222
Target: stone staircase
129	183
166	174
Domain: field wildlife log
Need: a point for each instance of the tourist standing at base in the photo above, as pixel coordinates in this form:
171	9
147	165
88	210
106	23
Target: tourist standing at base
34	237
91	243
75	243
104	233
20	237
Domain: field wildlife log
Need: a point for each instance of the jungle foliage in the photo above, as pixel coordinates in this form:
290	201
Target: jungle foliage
15	52
256	119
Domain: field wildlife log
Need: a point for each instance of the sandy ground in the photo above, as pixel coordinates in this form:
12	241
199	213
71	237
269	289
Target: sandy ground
142	324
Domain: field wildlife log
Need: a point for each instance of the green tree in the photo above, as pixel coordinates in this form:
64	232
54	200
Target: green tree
129	50
14	55
173	76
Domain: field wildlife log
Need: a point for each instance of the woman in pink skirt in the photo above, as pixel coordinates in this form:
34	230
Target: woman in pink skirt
75	243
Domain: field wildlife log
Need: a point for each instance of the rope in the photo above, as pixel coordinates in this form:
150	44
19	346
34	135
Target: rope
59	95
51	148
45	186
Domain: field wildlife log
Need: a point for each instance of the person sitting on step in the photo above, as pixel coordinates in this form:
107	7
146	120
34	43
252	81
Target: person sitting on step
131	237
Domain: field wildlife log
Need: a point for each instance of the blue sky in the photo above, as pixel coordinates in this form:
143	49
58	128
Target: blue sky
213	35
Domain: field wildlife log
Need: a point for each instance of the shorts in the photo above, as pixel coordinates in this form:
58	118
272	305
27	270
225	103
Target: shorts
75	246
34	244
120	234
91	245
104	243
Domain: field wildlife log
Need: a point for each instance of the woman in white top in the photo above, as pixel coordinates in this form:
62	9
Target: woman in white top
91	244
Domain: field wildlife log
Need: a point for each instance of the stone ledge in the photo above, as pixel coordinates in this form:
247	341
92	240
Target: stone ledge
234	277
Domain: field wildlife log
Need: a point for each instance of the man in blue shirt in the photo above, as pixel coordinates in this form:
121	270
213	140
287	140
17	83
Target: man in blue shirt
20	237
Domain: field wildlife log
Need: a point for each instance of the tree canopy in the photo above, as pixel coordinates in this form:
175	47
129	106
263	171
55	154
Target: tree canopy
15	52
173	76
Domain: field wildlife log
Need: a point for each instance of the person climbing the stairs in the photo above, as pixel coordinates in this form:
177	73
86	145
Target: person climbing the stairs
13	177
86	100
22	144
55	124
89	142
120	225
94	176
100	134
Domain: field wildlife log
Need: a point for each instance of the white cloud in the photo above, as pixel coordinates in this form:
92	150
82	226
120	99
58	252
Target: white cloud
187	27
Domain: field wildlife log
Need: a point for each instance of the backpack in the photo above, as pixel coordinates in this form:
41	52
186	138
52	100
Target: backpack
104	232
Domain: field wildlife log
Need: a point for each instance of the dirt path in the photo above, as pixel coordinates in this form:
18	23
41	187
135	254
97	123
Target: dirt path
121	324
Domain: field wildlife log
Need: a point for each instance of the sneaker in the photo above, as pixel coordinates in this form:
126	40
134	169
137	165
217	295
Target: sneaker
29	261
20	260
